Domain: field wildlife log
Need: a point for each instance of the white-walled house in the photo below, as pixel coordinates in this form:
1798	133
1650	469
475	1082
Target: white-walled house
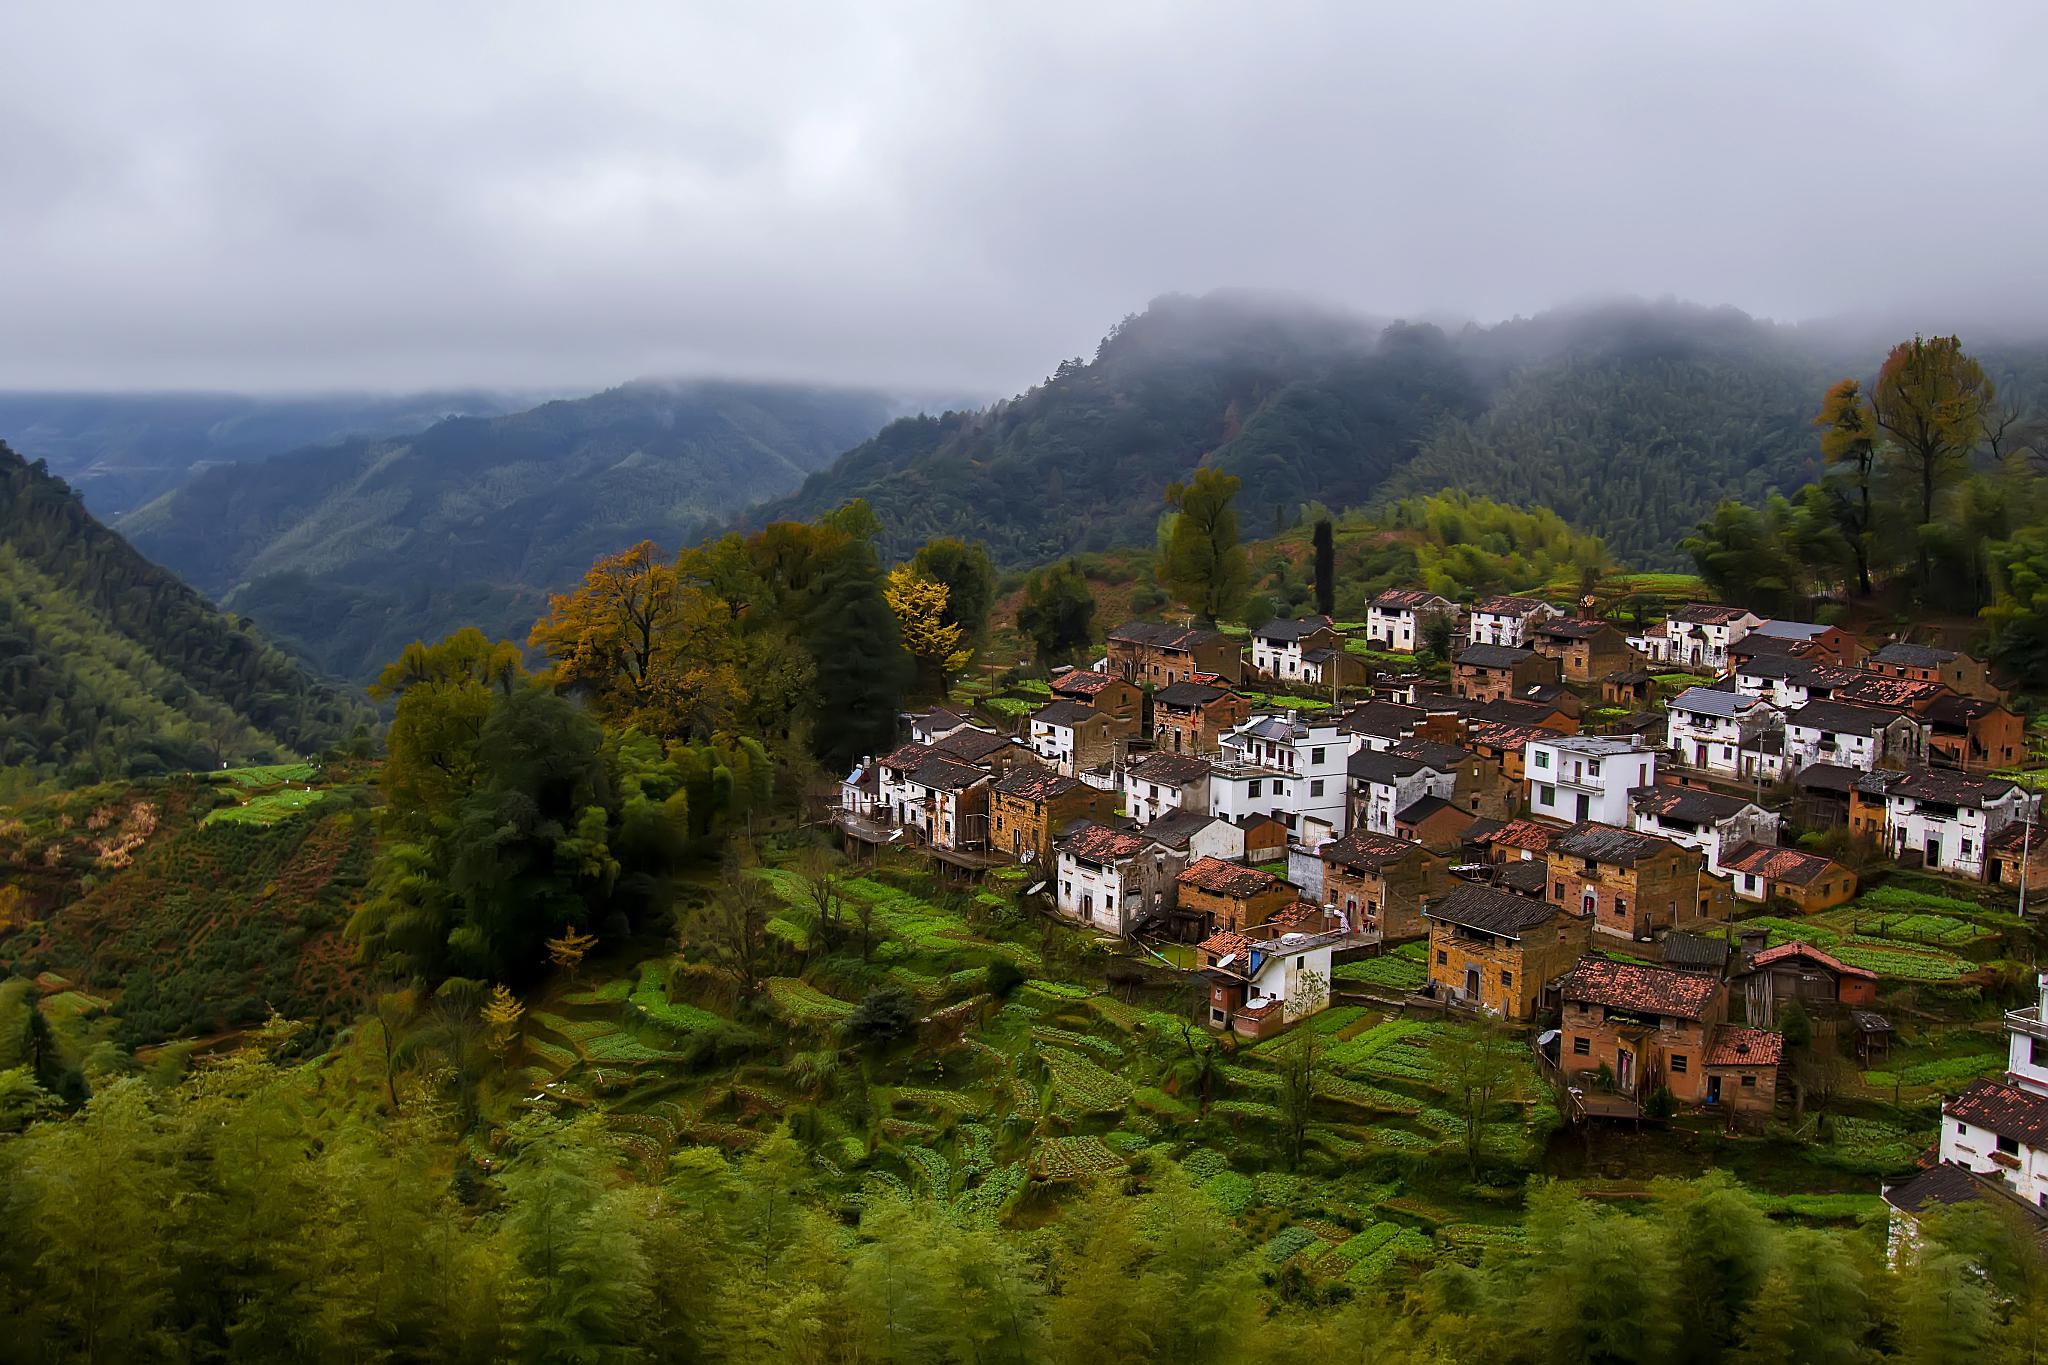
1385	784
1507	620
1574	778
1393	620
1110	879
1163	783
1699	636
1859	737
1999	1127
1278	647
1948	818
1709	822
1717	731
1287	767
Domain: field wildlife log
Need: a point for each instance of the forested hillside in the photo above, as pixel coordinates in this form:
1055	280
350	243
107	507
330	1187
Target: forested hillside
350	552
1631	420
120	450
110	665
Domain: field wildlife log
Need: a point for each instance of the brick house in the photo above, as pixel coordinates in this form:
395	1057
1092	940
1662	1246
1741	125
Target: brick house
985	748
1497	950
1193	717
1506	745
1628	884
1231	895
1742	1070
1493	672
1394	620
947	804
1974	734
1517	841
2003	854
1811	639
1869	812
1432	822
1585	650
1154	655
1074	738
1819	981
1648	1026
1930	663
1808	882
1506	620
1380	883
1165	782
1544	704
1028	807
1271	975
1114	697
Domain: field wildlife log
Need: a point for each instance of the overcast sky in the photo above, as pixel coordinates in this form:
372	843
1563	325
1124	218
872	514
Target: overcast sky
282	195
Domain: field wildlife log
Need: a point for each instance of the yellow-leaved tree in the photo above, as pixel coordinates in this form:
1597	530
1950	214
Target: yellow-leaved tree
919	605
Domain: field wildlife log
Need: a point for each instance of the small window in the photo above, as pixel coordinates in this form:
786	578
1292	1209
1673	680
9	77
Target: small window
1582	1047
1557	891
1749	1081
1258	787
1315	788
1543	758
1546	796
1678	1064
1507	980
1315	755
1442	958
2010	1146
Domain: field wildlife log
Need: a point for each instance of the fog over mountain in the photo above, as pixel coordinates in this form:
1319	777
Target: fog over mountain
386	196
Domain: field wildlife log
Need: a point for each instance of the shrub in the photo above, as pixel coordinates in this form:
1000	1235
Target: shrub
884	1014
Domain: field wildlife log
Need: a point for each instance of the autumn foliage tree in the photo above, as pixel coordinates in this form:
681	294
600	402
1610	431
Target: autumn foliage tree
1931	399
934	644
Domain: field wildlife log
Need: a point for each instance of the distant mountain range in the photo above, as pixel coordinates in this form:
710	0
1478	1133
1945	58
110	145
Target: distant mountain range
1631	419
120	450
110	666
346	552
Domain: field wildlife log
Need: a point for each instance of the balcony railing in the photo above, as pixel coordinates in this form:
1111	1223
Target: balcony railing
2027	1022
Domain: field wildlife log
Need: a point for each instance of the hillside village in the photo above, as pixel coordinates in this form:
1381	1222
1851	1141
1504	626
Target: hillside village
1648	853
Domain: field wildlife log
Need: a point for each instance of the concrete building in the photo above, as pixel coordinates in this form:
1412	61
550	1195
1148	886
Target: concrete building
1587	777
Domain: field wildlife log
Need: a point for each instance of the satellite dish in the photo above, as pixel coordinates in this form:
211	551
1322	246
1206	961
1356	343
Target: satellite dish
1034	888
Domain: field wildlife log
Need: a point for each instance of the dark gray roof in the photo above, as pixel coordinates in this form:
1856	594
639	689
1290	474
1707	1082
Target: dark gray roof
1166	637
1188	694
1493	656
1171	769
1950	788
1421	809
1385	768
1175	828
1827	777
1914	656
1386	718
1523	876
971	744
1571	628
1840	718
1064	712
1694	952
1607	843
1689	805
1292	630
1714	701
947	774
1501	913
1440	756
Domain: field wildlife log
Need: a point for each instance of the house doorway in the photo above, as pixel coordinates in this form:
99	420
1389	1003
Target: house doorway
1472	983
1713	1090
1624	1069
1933	851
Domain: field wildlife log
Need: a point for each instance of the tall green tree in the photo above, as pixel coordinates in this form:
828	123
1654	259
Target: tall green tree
1931	399
970	580
1848	443
1204	565
1058	611
1325	538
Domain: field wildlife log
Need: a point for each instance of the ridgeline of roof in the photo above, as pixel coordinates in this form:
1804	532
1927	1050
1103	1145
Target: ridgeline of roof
1715	701
1840	718
972	745
906	756
1389	719
1287	631
1438	755
1708	614
1176	827
1571	628
2004	1108
1227	879
1409	599
1493	656
946	774
1827	777
1064	712
1080	682
1501	913
1383	768
1902	655
1632	986
1188	694
1951	788
1511	606
1154	635
1799	948
1690	804
1746	1047
1778	864
1608	843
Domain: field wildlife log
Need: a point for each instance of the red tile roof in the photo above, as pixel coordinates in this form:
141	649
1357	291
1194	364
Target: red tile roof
1362	848
1522	834
1510	606
1036	784
1778	864
1225	943
1099	843
2005	1109
1746	1047
1798	948
1227	879
1078	682
909	756
1171	770
1628	986
1408	599
1501	735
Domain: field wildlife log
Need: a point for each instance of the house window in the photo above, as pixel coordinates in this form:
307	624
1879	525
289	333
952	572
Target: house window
1257	786
1315	788
1966	848
1315	756
1442	957
1557	891
1507	980
1678	1064
2010	1146
1543	758
1749	1081
1582	1047
1546	796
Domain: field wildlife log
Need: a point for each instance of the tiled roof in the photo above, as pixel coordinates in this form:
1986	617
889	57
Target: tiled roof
1188	694
1409	599
2005	1109
1502	735
1608	843
1523	876
1875	689
1902	655
1227	879
1176	827
1840	718
1065	712
908	756
1799	950
1515	711
1079	682
1482	828
1036	784
1631	986
1171	770
1958	713
1951	788
972	745
1226	944
1501	913
1384	769
1522	834
1827	777
1442	757
1098	843
1286	630
1492	656
1570	628
2016	835
1420	809
1746	1047
1511	606
1946	1185
1362	848
1778	864
946	774
1790	630
1688	804
1156	636
1684	949
1715	701
1707	614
